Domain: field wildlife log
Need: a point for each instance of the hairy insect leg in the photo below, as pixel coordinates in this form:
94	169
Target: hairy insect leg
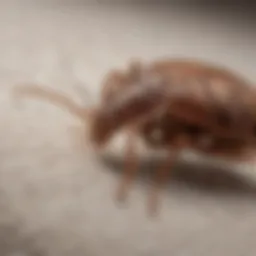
130	168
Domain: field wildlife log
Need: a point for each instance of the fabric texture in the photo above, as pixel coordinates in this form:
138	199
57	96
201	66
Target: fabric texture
56	195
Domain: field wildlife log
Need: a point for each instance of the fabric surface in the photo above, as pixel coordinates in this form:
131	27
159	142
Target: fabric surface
56	196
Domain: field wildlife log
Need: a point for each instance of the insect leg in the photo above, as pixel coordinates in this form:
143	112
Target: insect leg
160	179
161	175
131	167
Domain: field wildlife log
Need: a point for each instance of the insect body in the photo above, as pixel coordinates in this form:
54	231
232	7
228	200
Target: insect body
171	104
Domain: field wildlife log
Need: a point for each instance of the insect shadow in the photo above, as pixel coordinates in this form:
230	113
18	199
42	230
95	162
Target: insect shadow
209	179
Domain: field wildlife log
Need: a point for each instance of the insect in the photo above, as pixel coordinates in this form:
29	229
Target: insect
173	104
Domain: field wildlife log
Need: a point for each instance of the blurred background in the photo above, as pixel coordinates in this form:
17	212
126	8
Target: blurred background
56	197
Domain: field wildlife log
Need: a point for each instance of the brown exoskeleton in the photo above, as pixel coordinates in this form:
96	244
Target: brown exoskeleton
172	105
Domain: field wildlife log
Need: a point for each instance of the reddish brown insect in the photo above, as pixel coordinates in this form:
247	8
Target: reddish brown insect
172	105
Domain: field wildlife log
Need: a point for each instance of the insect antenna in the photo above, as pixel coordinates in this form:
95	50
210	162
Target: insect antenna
54	97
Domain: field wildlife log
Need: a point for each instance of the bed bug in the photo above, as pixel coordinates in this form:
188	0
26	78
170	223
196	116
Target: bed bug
171	104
